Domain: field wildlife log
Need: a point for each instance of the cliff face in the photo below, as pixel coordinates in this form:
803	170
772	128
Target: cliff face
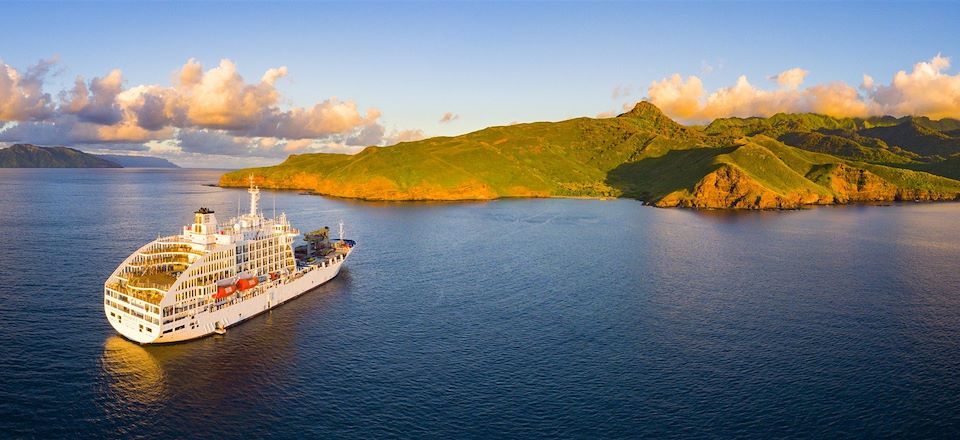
730	188
731	164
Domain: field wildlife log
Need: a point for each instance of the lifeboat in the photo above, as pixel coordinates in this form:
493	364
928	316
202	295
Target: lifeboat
247	283
225	291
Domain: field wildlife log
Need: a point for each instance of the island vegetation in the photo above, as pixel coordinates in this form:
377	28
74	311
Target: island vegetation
785	161
33	156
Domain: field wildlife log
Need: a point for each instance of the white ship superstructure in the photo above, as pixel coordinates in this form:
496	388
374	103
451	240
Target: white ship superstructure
213	275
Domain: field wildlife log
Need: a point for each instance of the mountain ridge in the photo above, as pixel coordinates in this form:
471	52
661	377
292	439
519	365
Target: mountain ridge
782	162
32	156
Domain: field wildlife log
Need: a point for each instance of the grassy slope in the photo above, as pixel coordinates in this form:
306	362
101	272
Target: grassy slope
641	154
568	158
841	146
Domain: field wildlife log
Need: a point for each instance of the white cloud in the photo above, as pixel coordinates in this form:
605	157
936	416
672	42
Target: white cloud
213	111
791	79
21	94
98	104
222	142
370	135
605	114
928	91
396	137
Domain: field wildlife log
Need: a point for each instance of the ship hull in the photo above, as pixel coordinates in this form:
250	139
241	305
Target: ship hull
230	312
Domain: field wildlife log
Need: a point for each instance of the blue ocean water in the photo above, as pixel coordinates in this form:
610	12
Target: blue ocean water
502	319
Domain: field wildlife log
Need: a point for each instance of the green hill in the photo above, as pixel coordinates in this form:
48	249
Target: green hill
917	137
32	156
785	161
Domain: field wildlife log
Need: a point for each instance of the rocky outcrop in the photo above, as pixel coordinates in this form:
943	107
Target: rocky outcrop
731	188
858	185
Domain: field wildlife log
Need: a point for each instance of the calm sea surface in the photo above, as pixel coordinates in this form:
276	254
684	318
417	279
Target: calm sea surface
513	318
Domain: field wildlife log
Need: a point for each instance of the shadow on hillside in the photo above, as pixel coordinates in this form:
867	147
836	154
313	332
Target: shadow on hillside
652	178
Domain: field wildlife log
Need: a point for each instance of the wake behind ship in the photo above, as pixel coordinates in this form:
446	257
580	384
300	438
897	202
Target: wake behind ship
214	275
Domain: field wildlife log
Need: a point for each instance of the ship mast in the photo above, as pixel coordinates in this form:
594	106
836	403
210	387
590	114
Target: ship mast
254	197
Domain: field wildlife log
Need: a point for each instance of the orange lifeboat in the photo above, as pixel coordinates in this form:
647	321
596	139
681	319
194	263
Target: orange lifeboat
225	291
247	283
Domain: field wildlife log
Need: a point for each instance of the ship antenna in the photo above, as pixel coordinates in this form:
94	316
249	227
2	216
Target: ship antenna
254	197
341	230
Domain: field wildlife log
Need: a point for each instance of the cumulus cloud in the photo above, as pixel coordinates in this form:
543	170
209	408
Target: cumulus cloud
21	94
223	143
369	135
792	78
67	129
928	91
396	137
203	111
449	117
98	103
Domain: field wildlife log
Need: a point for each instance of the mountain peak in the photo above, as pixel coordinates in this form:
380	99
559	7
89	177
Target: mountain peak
652	118
646	110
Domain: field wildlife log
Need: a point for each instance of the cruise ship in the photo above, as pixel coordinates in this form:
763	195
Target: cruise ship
214	275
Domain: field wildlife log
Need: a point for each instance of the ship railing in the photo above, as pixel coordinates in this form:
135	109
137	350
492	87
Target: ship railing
153	261
149	296
173	239
173	249
121	308
146	285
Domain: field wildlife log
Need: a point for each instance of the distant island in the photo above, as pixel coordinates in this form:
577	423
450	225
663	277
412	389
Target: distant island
32	156
782	162
138	161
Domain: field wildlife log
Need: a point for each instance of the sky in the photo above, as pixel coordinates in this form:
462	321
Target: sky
218	84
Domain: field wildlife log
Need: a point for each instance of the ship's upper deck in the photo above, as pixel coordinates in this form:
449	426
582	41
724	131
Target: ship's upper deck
205	252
